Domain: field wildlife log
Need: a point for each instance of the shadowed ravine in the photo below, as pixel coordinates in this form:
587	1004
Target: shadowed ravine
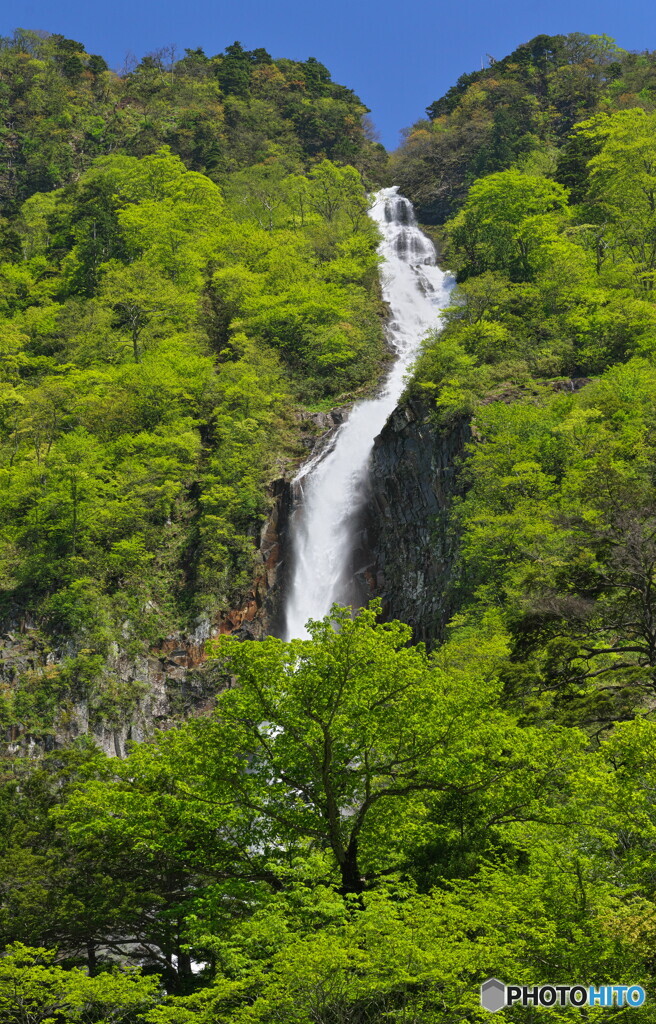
331	485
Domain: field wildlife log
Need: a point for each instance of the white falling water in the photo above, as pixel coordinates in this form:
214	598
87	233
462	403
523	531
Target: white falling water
331	484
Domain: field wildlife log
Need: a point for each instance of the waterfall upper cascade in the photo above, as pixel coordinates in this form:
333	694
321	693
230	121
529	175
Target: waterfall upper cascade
331	484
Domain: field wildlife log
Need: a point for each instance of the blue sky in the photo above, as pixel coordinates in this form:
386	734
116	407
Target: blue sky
397	56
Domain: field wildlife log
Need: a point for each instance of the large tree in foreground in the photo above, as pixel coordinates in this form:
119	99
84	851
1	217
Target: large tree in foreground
348	757
345	741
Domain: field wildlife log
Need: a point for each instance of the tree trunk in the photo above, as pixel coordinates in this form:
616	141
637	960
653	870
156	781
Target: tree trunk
92	962
352	882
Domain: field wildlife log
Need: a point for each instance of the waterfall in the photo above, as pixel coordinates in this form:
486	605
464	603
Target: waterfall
331	485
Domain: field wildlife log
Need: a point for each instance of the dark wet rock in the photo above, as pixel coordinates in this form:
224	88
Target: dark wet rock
407	550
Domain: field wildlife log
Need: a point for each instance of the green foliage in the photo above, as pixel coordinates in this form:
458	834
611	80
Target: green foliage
518	112
158	332
33	989
548	351
622	184
555	528
507	222
360	829
219	114
547	289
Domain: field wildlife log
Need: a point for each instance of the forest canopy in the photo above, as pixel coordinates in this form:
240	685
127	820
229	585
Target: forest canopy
185	261
356	828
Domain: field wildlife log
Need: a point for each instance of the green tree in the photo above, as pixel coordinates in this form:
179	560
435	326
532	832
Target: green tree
622	184
506	220
34	991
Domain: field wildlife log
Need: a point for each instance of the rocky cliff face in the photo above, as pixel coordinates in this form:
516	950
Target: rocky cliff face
408	552
408	549
150	692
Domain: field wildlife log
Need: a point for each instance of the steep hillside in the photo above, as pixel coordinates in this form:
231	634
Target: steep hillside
519	112
353	828
160	330
548	354
62	107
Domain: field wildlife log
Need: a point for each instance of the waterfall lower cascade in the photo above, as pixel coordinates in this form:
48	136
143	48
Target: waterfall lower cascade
331	485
